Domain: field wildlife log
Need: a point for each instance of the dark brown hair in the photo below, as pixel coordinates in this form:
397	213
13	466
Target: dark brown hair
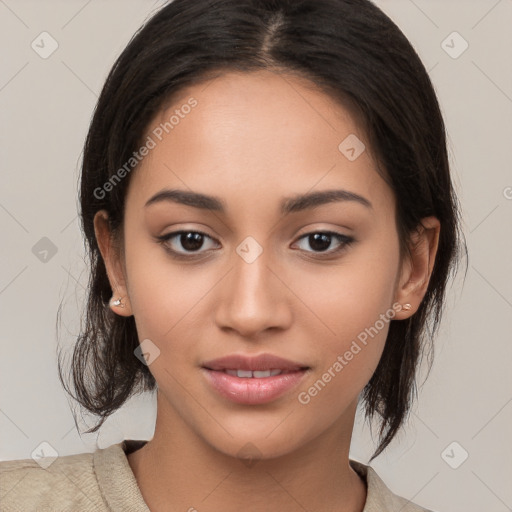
357	55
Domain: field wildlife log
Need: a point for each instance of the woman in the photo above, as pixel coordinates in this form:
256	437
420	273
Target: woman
271	222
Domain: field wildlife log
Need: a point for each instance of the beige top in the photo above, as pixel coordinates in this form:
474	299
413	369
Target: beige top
104	481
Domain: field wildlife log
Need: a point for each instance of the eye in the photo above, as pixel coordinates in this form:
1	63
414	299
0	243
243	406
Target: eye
190	242
320	241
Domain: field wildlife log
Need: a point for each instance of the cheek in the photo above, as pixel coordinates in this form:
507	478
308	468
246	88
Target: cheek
168	299
171	303
350	297
167	307
350	310
348	351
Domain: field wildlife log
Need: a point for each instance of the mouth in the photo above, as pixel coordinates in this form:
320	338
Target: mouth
253	380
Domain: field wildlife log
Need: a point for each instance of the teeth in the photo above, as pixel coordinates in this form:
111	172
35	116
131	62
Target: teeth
263	373
256	374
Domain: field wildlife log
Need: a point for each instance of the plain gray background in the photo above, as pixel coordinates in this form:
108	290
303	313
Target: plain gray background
46	105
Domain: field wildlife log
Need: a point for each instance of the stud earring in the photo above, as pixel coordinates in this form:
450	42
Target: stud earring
406	307
117	302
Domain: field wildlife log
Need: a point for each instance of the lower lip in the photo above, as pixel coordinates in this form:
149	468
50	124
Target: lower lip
252	390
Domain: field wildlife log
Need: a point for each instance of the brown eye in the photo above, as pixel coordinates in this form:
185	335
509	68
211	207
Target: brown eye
184	242
320	241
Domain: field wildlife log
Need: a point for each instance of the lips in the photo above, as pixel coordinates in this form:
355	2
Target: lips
253	380
262	362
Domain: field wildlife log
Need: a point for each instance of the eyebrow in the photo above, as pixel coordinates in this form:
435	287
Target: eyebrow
288	205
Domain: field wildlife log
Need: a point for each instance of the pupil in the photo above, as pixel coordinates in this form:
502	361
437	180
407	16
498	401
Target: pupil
317	241
191	241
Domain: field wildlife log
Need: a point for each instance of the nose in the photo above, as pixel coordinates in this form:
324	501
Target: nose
253	298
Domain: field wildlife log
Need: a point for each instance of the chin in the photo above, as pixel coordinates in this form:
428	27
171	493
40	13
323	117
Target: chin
252	444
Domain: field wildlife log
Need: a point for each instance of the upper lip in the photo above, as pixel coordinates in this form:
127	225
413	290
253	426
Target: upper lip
253	363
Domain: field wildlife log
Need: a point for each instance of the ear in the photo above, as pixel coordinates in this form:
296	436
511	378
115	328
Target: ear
417	267
113	263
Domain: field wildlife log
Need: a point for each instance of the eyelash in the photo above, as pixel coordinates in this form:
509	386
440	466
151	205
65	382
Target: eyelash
345	242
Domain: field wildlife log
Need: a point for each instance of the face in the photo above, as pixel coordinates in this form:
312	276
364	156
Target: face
255	271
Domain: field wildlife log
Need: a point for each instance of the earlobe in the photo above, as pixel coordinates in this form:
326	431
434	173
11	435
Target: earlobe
119	306
419	264
119	302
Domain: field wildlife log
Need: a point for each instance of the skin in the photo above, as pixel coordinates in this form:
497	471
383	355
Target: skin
252	140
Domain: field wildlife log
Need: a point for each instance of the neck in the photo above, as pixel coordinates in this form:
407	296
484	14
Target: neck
177	470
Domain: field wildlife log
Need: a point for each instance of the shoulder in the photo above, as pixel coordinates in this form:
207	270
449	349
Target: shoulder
65	483
379	496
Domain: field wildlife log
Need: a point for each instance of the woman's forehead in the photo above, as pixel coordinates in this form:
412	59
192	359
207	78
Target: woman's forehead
256	133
